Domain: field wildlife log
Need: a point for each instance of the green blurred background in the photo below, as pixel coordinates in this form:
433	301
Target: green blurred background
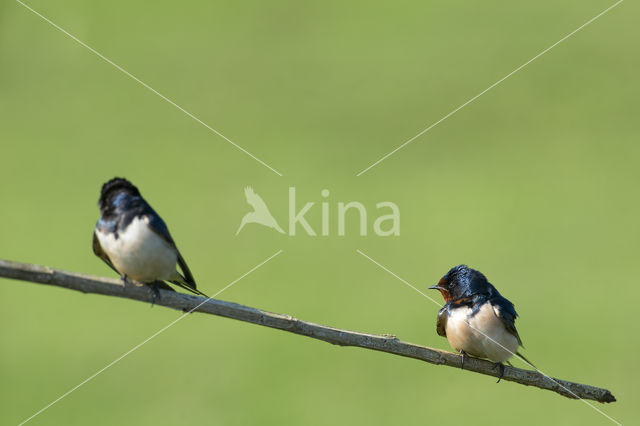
535	184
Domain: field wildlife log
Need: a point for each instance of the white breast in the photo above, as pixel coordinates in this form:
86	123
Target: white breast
139	252
483	335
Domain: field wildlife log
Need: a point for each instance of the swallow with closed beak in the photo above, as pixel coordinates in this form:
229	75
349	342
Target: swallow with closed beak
476	319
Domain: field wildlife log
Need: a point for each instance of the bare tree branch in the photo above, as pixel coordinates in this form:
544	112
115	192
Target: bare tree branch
336	336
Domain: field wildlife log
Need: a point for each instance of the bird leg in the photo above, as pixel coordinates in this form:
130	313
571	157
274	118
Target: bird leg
500	366
463	354
155	293
123	277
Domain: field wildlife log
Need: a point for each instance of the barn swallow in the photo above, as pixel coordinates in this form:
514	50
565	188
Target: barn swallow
476	319
135	242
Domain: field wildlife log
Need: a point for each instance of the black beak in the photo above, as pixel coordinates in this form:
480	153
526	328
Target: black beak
435	287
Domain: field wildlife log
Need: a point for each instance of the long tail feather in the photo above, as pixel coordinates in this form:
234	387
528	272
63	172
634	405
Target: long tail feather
188	288
188	277
528	362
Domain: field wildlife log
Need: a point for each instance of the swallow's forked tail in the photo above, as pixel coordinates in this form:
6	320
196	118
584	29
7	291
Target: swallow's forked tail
186	283
180	282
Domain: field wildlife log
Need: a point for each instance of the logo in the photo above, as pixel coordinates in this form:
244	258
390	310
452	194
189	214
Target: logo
384	225
260	213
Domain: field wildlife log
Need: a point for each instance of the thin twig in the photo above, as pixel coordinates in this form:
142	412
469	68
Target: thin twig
336	336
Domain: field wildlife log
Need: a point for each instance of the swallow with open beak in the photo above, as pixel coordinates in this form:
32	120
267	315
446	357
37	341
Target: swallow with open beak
476	319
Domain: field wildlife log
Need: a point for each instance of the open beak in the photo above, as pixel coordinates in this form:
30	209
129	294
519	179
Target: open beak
435	287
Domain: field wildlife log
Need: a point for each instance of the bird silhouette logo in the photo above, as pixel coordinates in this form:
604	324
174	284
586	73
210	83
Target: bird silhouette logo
260	213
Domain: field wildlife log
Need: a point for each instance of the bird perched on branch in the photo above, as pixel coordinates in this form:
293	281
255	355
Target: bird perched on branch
476	319
135	242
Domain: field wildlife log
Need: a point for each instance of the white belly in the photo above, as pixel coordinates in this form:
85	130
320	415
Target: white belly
140	253
484	335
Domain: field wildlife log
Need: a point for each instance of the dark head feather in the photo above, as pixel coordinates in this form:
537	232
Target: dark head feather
114	187
462	281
